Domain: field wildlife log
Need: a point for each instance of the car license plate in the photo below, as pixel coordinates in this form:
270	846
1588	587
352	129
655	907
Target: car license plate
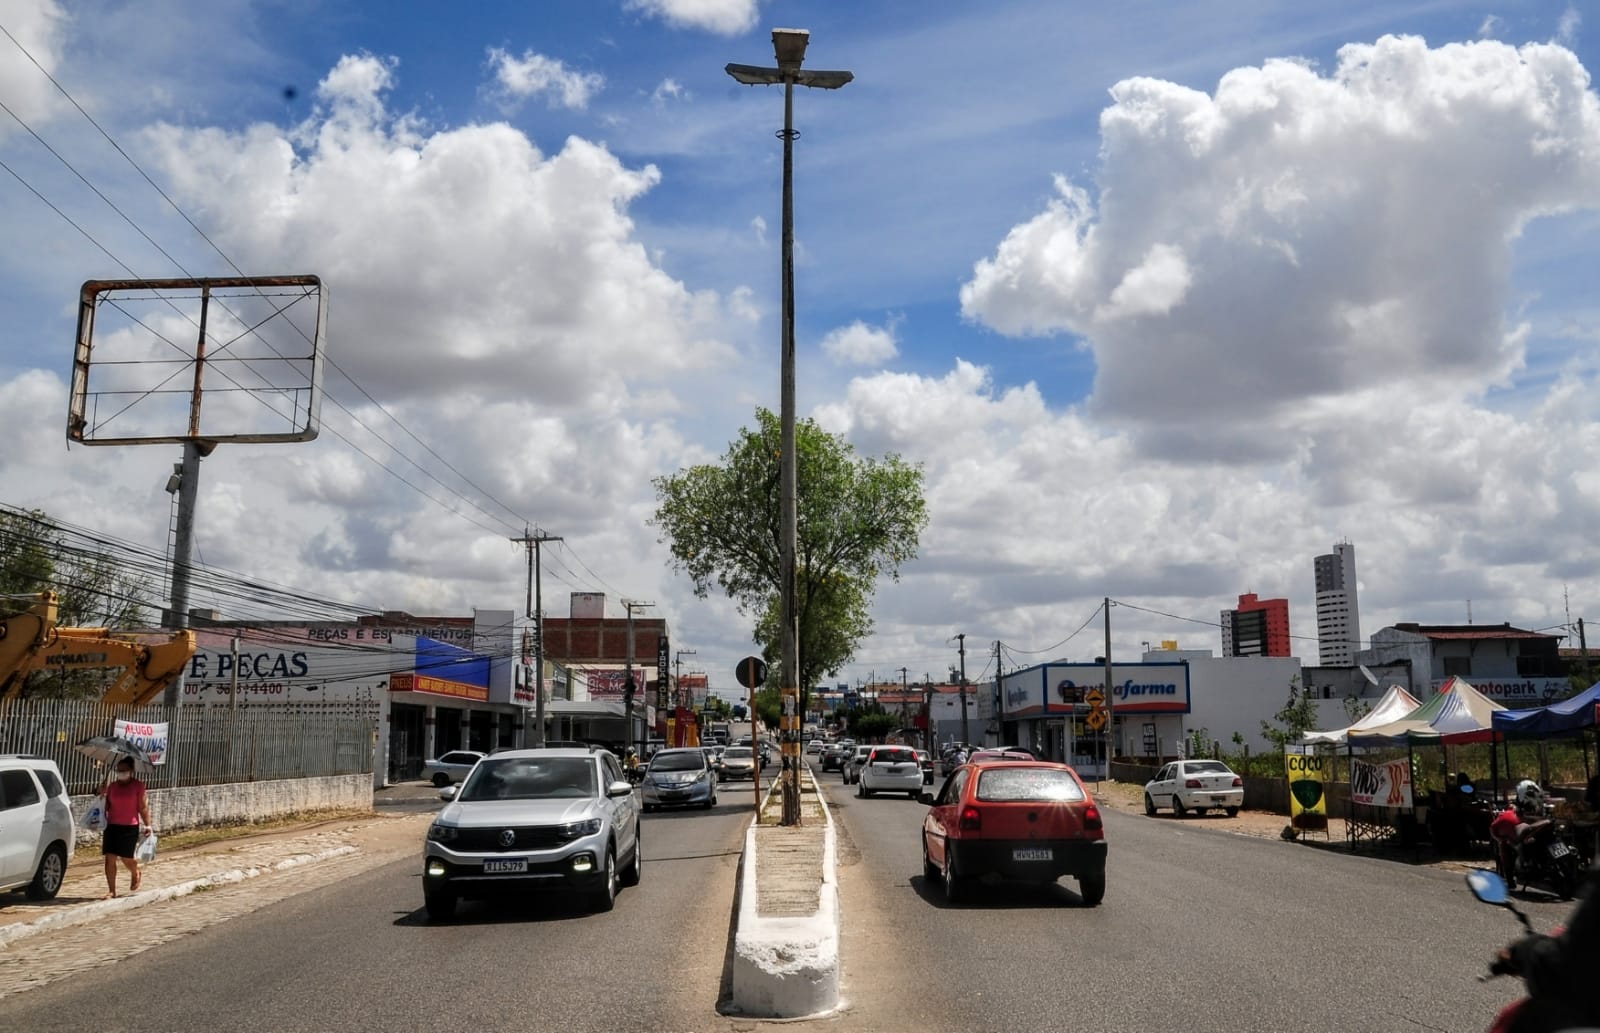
1031	854
1559	849
505	864
1219	799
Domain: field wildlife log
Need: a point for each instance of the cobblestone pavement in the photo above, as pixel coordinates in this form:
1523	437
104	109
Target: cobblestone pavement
185	892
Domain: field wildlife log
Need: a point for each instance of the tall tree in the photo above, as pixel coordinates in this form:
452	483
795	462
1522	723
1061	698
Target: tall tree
858	519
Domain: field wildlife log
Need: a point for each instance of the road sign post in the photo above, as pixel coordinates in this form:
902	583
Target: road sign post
751	672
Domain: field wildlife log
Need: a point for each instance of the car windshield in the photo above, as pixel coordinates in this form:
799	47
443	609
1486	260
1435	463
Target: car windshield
1016	785
679	760
530	778
1207	767
737	753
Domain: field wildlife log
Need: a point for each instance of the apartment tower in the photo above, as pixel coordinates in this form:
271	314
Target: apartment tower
1338	616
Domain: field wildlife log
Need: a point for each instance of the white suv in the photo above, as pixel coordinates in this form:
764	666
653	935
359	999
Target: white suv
36	827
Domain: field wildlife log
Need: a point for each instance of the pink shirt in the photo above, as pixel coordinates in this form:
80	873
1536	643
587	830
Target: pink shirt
123	800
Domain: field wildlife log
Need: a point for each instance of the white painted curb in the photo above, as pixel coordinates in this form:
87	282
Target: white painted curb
787	967
89	912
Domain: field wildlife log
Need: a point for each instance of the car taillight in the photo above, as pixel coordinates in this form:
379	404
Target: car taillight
1193	783
971	819
1091	818
1237	781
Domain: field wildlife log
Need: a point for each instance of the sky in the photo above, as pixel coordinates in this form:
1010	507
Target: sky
1166	300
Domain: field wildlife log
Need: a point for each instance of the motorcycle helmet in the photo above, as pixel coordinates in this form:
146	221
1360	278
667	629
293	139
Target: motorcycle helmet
1529	796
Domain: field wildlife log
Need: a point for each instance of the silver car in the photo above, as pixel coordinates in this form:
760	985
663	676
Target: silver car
854	762
680	778
36	826
528	820
450	768
739	762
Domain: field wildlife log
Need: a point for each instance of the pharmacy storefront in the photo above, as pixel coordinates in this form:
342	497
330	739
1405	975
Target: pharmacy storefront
1064	711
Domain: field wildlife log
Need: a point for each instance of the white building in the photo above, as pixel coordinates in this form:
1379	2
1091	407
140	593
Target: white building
1512	666
1338	612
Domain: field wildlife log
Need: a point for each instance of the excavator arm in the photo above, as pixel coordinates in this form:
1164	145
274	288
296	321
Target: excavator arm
31	642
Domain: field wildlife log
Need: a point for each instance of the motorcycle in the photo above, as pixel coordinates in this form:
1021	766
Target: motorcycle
1544	858
1524	1014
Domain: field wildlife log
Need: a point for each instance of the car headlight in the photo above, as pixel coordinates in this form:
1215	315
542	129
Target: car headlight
582	828
442	833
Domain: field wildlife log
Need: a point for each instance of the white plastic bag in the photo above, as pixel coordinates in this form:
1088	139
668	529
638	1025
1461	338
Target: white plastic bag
94	819
147	848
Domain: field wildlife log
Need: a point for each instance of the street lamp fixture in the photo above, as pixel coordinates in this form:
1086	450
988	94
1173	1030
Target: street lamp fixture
789	46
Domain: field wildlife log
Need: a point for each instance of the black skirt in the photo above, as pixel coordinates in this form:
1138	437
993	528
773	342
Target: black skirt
120	840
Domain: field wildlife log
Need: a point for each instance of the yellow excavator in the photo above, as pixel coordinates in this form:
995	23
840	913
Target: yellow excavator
30	641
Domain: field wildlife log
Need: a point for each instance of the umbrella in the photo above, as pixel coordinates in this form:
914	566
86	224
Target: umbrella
106	750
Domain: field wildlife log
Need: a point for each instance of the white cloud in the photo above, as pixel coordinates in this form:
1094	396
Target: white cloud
1299	237
861	345
531	75
759	225
40	27
1491	26
1567	27
669	89
721	17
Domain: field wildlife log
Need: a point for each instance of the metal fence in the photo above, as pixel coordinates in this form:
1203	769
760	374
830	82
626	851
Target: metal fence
207	745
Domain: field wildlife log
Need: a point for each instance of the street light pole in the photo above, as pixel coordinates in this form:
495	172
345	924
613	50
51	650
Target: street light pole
789	45
628	696
965	740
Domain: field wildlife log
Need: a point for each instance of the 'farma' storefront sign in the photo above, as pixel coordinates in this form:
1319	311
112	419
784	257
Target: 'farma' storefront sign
1056	690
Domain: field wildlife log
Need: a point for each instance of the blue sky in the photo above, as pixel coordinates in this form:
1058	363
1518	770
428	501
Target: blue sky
1166	298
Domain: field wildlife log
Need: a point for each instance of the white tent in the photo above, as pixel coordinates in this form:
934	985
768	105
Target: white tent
1395	704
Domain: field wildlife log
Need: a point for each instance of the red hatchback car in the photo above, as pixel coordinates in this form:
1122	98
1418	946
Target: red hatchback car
1029	820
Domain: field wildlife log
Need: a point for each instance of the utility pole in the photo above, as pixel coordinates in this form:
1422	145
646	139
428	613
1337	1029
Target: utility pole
677	673
905	690
627	701
1583	647
1110	699
962	638
999	687
927	713
536	613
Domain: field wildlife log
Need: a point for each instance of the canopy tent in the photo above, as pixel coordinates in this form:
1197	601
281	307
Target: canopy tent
1395	704
1567	717
1458	714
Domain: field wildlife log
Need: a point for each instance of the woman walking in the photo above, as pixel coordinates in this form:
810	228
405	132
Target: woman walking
127	807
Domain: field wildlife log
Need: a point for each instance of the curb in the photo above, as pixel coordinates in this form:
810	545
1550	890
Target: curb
87	912
787	968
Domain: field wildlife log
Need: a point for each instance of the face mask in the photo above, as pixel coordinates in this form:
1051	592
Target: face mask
123	776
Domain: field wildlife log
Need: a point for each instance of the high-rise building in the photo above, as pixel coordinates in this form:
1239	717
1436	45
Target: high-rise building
1259	627
1338	615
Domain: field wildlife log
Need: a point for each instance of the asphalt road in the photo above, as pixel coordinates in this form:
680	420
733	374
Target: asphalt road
361	955
1200	930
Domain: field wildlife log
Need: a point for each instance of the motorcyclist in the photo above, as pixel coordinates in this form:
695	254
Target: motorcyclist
1559	970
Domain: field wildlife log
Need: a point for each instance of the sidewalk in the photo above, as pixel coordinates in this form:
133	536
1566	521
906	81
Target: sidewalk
184	870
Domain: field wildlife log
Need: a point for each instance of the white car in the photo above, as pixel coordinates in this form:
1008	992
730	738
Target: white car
853	762
890	769
1195	785
36	826
450	768
815	746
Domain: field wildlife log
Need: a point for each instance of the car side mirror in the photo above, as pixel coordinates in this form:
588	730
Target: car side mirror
620	788
926	799
447	793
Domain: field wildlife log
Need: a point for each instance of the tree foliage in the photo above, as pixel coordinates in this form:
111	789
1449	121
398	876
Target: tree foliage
93	589
857	519
1298	715
870	723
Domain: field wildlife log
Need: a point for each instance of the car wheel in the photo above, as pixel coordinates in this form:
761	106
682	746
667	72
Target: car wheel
1092	888
52	871
955	886
712	802
930	871
1149	805
1178	809
441	905
1233	812
605	898
440	779
635	870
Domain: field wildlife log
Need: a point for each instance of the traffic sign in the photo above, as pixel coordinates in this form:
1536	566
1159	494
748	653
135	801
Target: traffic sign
1094	697
1095	720
751	672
